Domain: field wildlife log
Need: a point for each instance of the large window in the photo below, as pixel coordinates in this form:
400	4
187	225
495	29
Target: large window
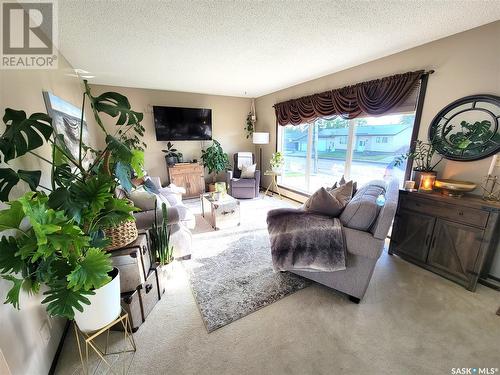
362	149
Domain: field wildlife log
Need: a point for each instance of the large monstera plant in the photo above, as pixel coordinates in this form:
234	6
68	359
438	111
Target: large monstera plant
54	235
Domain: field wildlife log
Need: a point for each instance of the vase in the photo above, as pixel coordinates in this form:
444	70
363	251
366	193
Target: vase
276	170
171	160
417	175
104	306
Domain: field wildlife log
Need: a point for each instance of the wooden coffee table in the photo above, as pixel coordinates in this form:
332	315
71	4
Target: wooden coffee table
220	213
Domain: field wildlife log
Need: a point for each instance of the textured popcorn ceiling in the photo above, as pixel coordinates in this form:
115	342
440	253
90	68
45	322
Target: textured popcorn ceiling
248	48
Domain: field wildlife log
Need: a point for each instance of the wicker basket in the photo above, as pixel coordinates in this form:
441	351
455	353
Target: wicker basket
121	235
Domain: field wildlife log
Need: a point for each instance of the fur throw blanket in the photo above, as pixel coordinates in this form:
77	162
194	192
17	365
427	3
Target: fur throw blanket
305	241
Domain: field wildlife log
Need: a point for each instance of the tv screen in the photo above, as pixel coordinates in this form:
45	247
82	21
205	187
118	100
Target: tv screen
182	124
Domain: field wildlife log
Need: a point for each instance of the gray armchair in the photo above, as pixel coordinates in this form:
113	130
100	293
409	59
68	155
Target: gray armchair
242	187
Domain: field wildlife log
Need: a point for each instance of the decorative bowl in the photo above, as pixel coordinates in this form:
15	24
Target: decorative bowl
454	188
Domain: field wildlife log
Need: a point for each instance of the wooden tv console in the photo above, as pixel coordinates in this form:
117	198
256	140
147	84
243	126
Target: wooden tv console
189	176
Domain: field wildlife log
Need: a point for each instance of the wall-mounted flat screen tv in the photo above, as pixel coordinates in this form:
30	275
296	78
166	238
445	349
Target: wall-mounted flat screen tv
182	124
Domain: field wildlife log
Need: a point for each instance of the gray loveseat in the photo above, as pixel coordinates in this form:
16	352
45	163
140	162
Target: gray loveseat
363	249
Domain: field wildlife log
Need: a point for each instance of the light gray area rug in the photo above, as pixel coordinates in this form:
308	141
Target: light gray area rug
231	272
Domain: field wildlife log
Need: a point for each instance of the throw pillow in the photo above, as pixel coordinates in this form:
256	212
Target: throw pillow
143	199
343	181
330	203
248	171
362	211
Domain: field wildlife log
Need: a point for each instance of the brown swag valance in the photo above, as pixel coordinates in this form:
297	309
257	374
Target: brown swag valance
373	98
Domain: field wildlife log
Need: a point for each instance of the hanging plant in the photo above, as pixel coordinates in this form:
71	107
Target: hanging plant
249	126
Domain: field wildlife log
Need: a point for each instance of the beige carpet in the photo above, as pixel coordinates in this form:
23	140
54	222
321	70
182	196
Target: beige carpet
410	322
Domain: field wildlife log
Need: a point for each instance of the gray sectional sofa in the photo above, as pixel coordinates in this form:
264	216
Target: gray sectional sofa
364	247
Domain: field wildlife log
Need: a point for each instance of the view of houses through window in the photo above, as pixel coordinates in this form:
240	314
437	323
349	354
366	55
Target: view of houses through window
362	149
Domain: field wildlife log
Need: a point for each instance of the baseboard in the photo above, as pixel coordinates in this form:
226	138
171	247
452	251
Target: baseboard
53	366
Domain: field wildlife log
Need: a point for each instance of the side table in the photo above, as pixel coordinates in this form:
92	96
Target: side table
273	184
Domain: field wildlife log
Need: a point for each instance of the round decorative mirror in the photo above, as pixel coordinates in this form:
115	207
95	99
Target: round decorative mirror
467	129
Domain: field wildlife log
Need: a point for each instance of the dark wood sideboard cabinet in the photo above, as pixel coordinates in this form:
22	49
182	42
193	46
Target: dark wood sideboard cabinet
453	237
188	175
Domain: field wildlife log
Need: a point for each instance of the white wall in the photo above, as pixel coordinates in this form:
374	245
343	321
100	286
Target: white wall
228	120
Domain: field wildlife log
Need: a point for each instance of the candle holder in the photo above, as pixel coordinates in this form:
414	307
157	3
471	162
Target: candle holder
491	188
427	181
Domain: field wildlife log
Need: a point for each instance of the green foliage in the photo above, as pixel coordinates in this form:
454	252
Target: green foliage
23	134
124	174
10	259
470	134
92	270
9	178
170	151
249	127
12	217
160	238
422	155
137	162
277	160
53	251
214	159
58	239
62	301
115	105
13	293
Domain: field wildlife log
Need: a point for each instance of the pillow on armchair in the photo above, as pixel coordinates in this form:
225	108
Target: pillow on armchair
248	171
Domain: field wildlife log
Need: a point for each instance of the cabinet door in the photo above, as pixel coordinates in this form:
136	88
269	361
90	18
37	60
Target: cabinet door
455	248
196	185
412	234
178	179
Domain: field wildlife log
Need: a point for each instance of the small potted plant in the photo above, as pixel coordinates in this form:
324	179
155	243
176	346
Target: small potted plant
215	160
161	249
171	154
277	161
249	124
422	155
180	157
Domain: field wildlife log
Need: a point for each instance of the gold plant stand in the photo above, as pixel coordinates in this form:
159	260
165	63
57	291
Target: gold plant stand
273	184
90	343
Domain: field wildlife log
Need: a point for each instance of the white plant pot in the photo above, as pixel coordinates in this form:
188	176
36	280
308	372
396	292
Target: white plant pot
276	169
104	306
164	275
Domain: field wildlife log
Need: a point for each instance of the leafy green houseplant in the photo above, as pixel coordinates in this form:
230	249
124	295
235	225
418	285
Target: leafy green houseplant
161	249
422	155
171	154
249	125
160	238
277	161
214	159
55	235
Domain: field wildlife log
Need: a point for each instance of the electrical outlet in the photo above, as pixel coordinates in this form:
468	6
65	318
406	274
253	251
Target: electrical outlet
45	332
